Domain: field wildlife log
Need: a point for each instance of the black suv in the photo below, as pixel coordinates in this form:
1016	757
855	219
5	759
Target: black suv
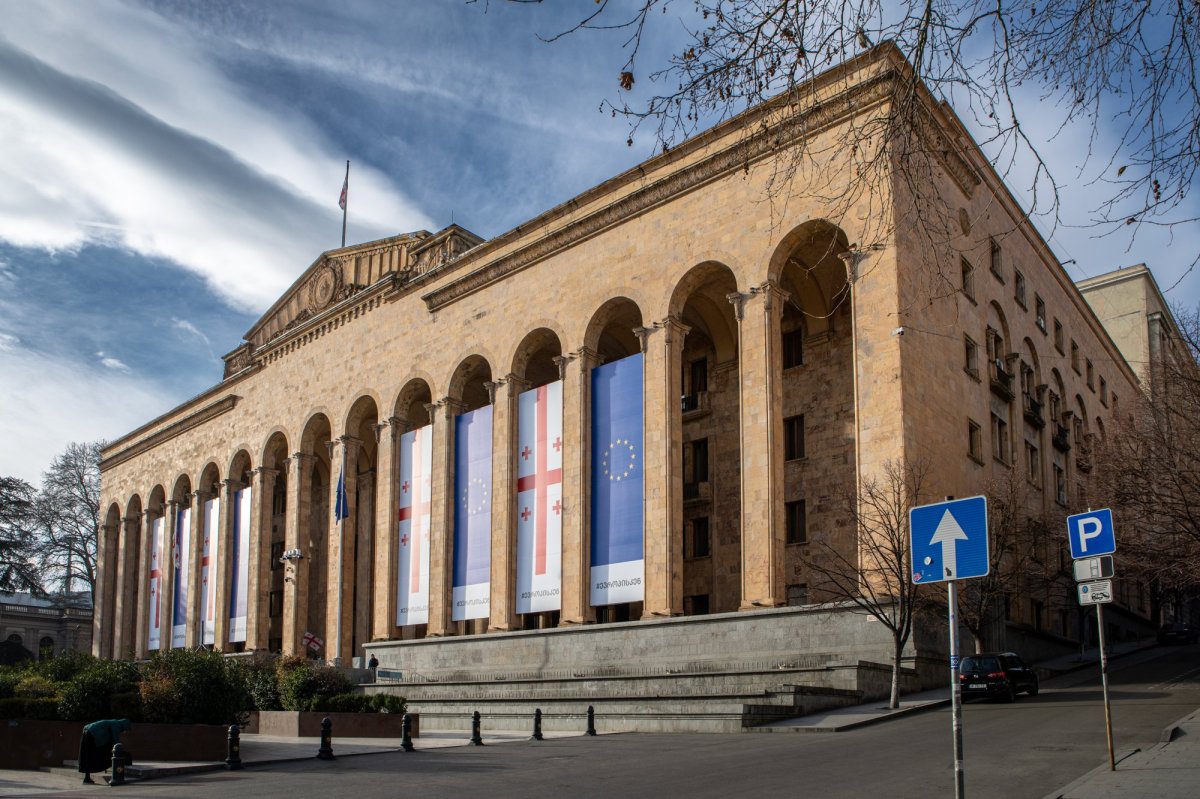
998	674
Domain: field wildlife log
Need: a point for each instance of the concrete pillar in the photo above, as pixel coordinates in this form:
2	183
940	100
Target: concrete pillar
194	609
577	487
258	584
166	596
441	521
296	537
341	550
504	394
142	621
387	434
760	367
103	625
662	345
125	613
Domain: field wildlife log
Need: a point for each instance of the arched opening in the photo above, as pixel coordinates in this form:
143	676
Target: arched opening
180	548
470	601
414	491
710	505
131	588
109	589
207	543
537	414
312	577
358	538
45	647
155	610
610	334
815	369
234	558
272	571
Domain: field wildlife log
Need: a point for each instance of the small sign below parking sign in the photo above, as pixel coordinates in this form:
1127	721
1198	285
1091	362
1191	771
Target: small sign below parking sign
1096	592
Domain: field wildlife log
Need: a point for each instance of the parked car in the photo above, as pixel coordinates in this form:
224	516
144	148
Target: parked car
1001	675
1177	633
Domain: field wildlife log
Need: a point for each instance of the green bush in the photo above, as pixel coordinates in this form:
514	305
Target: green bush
302	683
87	696
35	686
259	680
9	677
64	666
182	686
40	708
358	703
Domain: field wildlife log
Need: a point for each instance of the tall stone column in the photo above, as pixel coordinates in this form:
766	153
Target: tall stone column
504	394
220	569
258	583
166	596
194	611
129	590
577	487
144	609
387	435
103	622
296	538
441	522
663	439
341	550
760	400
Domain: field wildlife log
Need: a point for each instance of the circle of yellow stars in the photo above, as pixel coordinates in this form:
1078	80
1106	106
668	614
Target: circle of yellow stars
620	451
481	493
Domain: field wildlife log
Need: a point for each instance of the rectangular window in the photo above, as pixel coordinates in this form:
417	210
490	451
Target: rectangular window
971	352
699	375
275	604
1058	337
974	441
968	279
797	522
1060	485
1104	392
1091	375
700	543
1039	306
696	605
1000	448
996	261
1075	357
1033	464
699	460
276	555
1019	287
793	348
797	595
793	438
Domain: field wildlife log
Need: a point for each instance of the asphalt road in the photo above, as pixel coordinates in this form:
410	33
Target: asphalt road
1026	749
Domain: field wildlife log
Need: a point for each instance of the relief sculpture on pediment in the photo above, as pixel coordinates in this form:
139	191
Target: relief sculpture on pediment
325	286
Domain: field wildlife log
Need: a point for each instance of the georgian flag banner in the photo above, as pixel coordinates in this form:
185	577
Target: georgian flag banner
472	515
412	551
239	583
208	570
617	557
154	608
183	545
539	499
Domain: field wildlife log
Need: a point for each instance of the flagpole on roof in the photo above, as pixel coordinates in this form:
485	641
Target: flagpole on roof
342	201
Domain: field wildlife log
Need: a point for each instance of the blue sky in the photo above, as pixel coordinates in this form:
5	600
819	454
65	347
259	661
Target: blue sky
169	169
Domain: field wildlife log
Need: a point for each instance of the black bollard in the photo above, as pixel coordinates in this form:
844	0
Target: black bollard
406	734
233	749
326	750
537	725
591	730
118	765
476	738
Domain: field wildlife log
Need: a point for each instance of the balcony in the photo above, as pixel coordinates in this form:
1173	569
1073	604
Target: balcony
1001	380
694	405
1033	410
1062	437
697	491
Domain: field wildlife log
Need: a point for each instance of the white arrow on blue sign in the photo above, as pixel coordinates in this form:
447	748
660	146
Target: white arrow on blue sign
949	540
1092	533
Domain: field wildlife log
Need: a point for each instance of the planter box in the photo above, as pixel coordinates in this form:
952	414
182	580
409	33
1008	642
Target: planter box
35	744
307	724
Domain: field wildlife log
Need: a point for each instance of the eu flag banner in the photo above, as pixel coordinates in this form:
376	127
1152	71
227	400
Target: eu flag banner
618	562
239	583
154	611
183	546
539	499
341	507
472	515
208	563
412	551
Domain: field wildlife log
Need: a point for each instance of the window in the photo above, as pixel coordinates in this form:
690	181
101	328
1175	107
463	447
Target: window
699	460
696	605
996	262
974	441
793	348
1075	357
971	361
1033	464
700	543
276	555
1058	337
968	279
797	522
275	604
1116	408
1019	287
1091	375
1104	392
797	595
1000	448
45	647
1060	485
698	372
793	438
1039	310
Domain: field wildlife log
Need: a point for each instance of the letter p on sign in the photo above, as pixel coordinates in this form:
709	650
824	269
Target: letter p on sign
1091	534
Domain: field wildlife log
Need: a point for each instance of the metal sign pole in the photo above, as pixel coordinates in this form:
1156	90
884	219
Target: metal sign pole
955	690
1112	765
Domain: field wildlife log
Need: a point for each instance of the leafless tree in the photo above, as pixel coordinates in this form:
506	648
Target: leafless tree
875	576
67	515
1123	70
18	570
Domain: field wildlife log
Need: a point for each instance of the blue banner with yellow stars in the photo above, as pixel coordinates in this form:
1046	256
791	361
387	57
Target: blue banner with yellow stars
472	515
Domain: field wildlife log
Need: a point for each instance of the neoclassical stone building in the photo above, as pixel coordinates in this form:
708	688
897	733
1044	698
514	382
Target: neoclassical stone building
644	404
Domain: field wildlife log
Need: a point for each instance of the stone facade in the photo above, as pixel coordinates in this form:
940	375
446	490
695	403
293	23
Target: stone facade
45	627
811	340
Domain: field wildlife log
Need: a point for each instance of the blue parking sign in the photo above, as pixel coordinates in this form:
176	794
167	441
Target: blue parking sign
1091	533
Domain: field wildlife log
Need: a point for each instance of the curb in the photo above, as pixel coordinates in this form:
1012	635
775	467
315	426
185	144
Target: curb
854	725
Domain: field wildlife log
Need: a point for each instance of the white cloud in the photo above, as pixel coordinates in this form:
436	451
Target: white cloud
8	343
192	330
113	363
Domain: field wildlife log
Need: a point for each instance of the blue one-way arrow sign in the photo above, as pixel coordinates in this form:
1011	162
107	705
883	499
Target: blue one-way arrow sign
949	540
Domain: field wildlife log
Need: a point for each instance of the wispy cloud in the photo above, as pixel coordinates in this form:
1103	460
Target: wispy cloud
190	329
116	364
8	343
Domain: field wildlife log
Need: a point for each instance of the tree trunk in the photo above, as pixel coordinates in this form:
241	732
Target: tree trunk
977	639
894	702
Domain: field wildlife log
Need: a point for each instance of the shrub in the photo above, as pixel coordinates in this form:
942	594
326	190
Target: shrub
358	703
301	683
259	680
64	666
184	686
40	708
35	686
87	696
8	682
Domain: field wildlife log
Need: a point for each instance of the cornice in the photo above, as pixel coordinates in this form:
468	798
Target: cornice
189	422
